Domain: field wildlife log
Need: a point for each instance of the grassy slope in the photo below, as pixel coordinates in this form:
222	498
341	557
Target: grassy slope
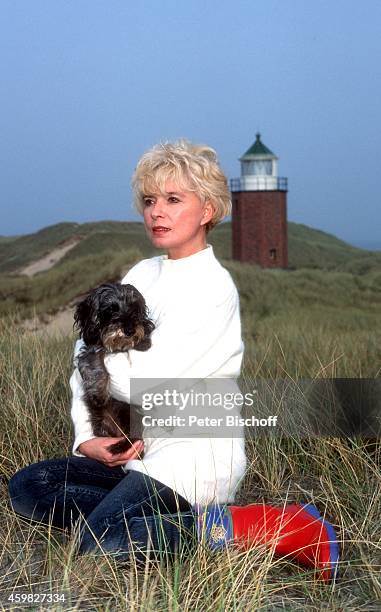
25	249
310	322
18	252
7	239
111	240
307	247
58	286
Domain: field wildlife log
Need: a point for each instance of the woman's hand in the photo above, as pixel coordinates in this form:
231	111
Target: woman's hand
96	448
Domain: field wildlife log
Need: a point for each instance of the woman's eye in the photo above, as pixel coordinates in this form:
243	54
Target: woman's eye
147	201
173	199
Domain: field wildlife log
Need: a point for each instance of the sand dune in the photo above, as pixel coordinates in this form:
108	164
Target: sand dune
49	260
58	324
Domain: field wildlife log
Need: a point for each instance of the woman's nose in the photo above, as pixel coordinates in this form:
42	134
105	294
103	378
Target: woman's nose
157	208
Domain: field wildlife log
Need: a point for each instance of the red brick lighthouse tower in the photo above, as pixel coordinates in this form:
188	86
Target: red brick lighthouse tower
259	216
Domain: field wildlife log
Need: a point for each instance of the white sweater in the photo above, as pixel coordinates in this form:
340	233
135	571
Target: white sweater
195	307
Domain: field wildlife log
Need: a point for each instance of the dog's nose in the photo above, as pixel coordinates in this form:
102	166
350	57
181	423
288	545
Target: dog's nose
128	330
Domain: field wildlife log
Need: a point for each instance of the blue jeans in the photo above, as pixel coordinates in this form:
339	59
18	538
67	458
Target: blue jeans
123	511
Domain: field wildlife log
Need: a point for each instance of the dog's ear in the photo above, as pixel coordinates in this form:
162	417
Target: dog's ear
146	342
86	319
149	326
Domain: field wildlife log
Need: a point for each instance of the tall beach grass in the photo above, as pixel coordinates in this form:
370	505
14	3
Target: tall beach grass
339	475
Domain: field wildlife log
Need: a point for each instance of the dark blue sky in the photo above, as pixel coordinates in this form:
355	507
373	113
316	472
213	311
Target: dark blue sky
88	85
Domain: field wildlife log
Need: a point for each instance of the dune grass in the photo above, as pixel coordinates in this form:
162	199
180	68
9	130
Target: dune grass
308	247
339	475
47	292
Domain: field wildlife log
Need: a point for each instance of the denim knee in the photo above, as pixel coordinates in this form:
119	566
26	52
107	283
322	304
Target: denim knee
24	487
152	536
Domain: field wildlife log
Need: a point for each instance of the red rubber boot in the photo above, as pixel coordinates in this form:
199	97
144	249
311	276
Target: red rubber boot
296	531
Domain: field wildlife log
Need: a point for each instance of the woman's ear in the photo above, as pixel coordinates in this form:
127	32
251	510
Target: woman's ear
208	212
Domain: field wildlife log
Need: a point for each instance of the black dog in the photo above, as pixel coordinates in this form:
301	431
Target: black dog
111	318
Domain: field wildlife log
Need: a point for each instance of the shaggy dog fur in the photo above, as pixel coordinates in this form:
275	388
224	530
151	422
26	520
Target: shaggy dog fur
111	318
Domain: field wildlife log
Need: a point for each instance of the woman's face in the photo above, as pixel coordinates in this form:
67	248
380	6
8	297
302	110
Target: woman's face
175	220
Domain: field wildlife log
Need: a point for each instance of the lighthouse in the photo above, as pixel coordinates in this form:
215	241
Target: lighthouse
259	215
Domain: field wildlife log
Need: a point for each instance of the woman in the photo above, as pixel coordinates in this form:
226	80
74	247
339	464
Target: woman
151	501
182	194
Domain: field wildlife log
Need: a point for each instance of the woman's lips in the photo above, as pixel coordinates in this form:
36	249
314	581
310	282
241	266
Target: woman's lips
160	230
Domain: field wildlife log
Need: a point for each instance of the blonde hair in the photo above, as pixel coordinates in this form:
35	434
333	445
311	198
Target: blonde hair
194	167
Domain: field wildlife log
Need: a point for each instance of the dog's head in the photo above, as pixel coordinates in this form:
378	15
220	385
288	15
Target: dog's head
114	316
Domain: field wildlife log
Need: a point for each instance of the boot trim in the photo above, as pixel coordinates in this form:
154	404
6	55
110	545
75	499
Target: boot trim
334	552
215	526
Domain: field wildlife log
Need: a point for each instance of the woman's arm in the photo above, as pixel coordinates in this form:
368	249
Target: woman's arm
79	414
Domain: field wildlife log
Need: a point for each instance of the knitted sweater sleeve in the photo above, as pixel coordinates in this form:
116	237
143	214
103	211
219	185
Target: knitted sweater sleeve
79	414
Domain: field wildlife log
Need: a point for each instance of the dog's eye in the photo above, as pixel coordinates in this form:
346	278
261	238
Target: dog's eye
112	309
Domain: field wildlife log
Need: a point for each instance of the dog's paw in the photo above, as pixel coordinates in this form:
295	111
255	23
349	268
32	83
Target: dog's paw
120	447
